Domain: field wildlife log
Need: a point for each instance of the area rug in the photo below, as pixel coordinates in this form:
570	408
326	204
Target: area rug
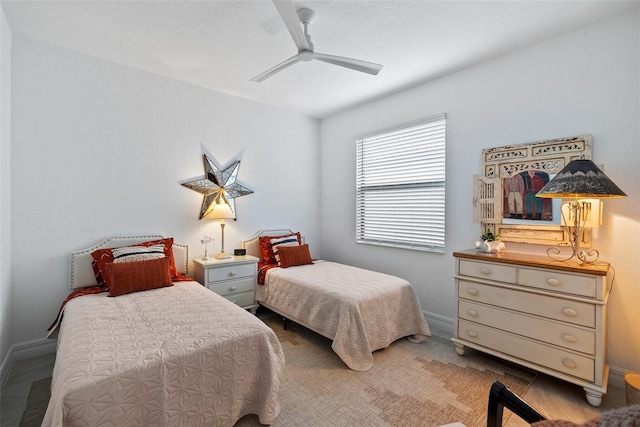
36	403
425	384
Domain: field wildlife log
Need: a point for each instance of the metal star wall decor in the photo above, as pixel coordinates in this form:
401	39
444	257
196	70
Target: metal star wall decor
218	184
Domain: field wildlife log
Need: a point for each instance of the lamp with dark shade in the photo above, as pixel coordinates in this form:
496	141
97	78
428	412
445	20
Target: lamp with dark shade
580	179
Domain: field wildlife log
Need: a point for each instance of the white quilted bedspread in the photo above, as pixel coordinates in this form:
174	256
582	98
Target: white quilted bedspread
176	356
361	310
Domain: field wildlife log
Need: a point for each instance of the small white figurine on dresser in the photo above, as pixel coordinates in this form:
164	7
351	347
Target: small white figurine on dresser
489	243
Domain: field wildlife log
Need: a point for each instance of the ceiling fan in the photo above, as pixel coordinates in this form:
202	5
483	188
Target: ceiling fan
292	20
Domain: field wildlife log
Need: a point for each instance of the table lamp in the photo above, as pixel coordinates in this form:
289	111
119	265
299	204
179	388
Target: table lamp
578	181
222	210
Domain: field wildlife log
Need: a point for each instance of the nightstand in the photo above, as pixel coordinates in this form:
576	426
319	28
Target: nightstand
233	278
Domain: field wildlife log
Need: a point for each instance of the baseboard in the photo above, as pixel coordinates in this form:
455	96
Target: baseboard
616	376
5	368
25	350
440	326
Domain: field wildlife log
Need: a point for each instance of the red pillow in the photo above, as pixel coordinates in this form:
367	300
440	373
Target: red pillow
127	277
266	252
104	256
294	255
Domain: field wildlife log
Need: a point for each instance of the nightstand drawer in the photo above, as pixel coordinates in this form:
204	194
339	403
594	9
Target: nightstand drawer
233	286
578	313
561	334
488	271
559	282
243	299
520	347
230	272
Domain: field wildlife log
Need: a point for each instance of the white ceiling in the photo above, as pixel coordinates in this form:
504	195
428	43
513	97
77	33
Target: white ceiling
222	44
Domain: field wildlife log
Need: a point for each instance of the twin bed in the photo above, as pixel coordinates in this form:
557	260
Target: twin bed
359	310
175	355
180	355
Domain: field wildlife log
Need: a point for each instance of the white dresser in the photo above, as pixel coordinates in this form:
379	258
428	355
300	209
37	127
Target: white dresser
546	315
233	278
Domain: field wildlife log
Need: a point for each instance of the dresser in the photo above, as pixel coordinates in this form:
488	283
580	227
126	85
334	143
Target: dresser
546	315
233	278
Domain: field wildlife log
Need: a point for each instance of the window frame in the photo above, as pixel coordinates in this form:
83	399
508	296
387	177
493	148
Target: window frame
416	226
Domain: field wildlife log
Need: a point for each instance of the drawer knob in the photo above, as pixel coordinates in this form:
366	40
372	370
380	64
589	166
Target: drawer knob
485	271
472	291
569	338
232	273
472	313
233	288
569	363
472	334
553	282
569	311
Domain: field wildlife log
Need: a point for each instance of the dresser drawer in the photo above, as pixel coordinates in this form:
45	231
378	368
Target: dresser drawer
559	282
488	271
243	299
230	272
561	334
233	286
551	357
578	313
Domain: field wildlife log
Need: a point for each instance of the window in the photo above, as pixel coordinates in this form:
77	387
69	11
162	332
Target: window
400	178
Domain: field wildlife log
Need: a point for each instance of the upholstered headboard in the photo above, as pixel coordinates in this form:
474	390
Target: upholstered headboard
252	244
81	273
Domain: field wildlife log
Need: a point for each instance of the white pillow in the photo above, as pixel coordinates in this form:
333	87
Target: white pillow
283	241
137	253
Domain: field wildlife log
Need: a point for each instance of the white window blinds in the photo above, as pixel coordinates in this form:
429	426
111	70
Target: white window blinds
400	181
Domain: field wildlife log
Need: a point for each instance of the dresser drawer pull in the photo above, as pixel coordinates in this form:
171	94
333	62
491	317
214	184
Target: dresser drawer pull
472	334
569	311
472	313
233	273
569	363
485	271
233	288
553	282
569	338
472	291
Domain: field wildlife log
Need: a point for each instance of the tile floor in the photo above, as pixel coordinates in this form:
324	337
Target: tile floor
556	399
13	400
553	398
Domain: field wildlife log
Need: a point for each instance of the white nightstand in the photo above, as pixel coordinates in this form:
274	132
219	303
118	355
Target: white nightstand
233	278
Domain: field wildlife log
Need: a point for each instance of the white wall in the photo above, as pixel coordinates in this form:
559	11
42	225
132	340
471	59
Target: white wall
583	82
5	181
101	149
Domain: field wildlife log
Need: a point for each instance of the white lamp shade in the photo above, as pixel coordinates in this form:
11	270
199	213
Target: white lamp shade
221	211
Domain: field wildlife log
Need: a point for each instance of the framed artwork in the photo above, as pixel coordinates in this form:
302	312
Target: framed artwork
513	174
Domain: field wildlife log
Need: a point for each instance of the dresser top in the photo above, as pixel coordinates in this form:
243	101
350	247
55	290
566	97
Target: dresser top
534	260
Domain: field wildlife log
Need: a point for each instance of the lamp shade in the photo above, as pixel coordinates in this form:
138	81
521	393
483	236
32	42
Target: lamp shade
581	179
221	210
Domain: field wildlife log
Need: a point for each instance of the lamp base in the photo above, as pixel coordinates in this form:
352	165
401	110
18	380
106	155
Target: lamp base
581	256
222	255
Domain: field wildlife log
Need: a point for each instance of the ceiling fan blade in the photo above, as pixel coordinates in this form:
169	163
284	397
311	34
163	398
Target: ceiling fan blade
354	64
290	18
281	66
